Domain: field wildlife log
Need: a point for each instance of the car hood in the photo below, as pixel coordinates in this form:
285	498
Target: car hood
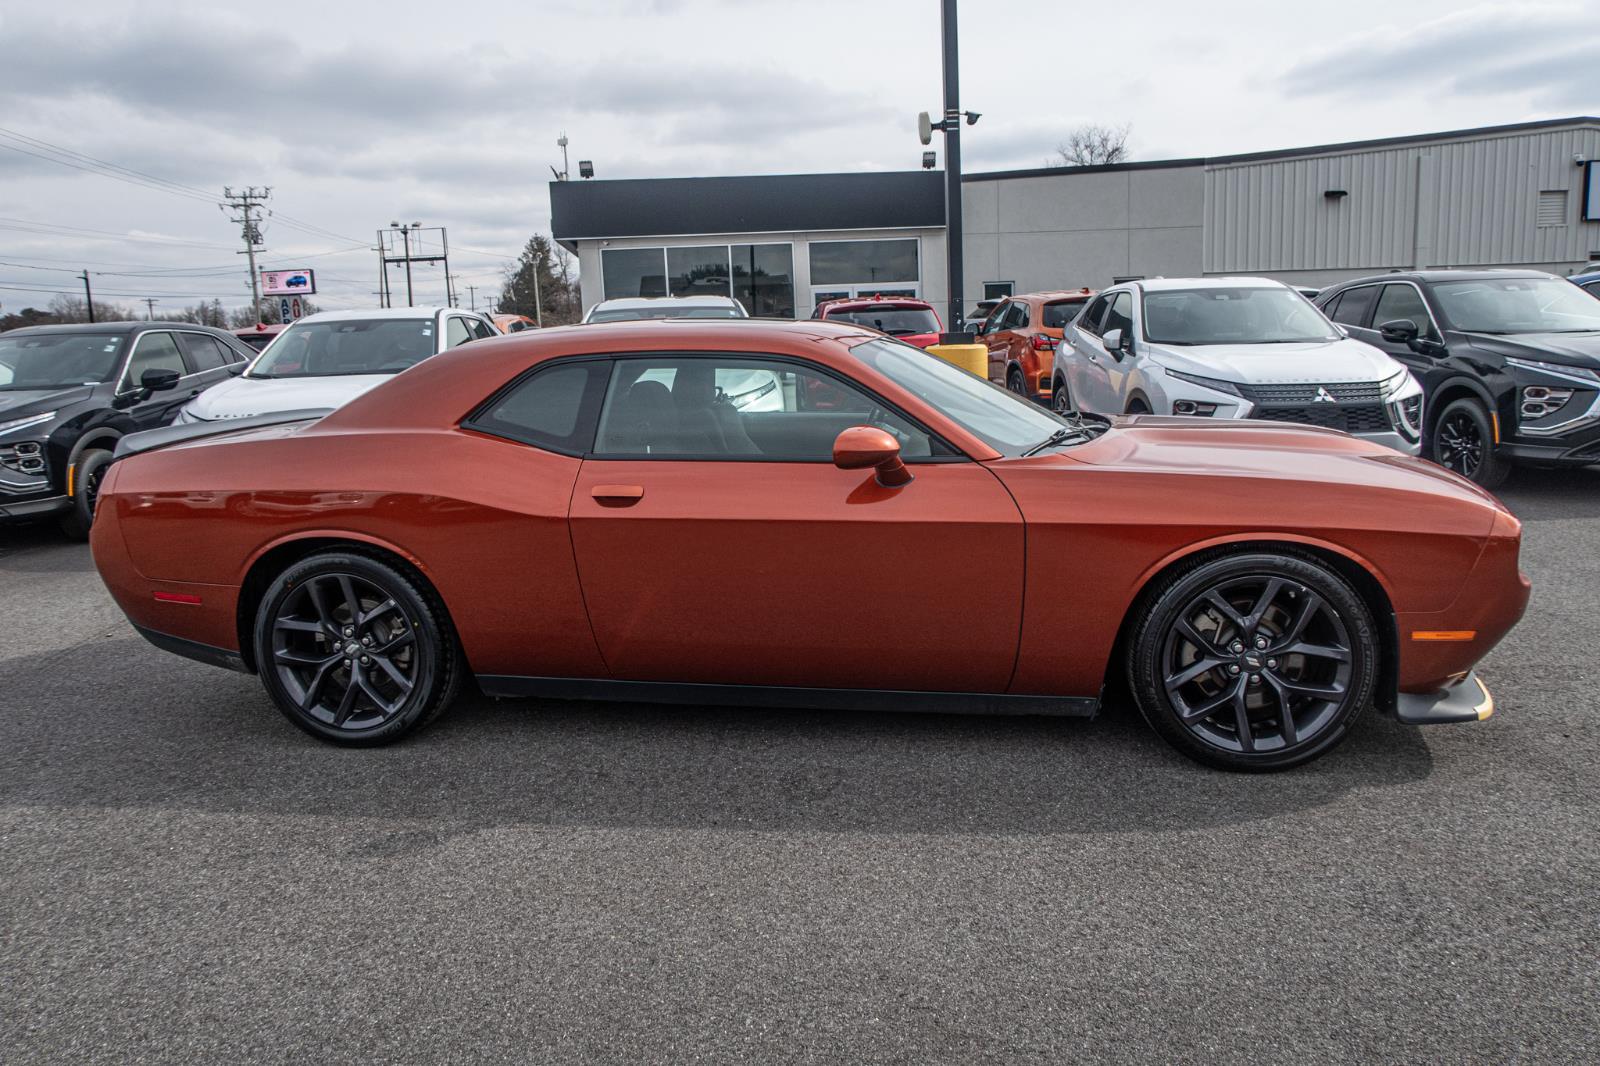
24	402
1342	360
245	396
1247	448
1568	349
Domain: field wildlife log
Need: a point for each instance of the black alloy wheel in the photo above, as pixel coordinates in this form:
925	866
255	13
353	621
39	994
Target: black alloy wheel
1015	383
1138	407
353	651
88	472
1254	662
1463	441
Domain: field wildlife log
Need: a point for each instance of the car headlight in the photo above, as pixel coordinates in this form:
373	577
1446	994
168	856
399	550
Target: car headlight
31	420
1396	382
1206	383
1555	368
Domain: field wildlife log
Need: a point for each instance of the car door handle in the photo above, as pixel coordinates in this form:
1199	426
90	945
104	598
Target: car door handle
618	495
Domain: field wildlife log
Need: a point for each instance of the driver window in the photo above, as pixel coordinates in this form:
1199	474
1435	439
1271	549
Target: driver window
1090	322
729	407
1120	316
996	321
455	332
1403	301
155	351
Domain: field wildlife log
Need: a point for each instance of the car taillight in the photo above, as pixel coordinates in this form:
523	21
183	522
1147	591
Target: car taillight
1043	342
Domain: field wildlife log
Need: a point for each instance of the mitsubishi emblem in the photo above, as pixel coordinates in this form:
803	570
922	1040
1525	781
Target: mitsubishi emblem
1323	396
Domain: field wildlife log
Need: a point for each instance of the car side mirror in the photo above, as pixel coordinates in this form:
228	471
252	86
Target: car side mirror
158	379
1117	342
862	446
1399	331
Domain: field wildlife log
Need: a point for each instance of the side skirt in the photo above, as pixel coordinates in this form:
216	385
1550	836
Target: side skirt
193	649
778	697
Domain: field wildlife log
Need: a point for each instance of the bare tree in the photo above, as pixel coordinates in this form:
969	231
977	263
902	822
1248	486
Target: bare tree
1092	145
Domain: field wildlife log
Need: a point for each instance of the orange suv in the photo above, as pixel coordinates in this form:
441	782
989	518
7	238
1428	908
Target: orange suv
1021	335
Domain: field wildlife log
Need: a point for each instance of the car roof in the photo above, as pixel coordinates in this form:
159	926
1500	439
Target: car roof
859	303
363	314
1242	281
142	326
627	303
1048	295
1587	275
1440	275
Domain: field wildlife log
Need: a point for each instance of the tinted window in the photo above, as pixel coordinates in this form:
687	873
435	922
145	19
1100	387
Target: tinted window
1060	312
1403	301
353	346
763	279
1353	304
633	272
863	262
481	329
1020	315
994	290
698	271
57	360
455	332
737	407
553	407
895	321
1121	314
154	351
204	352
1244	315
1090	322
1517	305
1592	287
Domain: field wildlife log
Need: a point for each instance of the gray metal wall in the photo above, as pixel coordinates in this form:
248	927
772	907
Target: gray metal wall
1443	204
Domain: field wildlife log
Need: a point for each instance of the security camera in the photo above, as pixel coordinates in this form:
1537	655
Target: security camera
1579	159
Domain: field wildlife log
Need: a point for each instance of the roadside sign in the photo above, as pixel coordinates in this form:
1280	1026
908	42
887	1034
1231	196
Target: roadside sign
294	306
300	282
283	311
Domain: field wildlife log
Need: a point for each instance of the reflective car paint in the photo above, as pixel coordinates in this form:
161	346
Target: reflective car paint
789	573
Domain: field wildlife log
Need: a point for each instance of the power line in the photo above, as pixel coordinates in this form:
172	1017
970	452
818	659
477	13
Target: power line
50	229
39	142
106	171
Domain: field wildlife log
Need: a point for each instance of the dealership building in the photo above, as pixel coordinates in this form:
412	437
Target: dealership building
1525	195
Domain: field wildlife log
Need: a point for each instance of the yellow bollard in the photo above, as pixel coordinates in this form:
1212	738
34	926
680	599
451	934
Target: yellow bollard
973	358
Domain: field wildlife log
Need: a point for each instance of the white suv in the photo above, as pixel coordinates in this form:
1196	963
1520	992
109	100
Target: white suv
1231	348
327	359
637	307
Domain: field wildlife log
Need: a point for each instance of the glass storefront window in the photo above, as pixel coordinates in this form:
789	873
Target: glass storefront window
864	262
763	279
630	272
698	271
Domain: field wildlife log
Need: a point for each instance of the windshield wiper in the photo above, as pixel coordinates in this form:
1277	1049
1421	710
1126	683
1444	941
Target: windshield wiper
1060	436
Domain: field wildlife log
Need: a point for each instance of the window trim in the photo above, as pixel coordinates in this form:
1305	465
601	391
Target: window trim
226	350
1433	322
469	422
956	454
1373	306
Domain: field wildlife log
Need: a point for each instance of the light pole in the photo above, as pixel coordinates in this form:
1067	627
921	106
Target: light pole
950	125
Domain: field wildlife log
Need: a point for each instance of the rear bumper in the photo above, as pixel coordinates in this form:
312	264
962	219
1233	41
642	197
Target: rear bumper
193	649
1465	700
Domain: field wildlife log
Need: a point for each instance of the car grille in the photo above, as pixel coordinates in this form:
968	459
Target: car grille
1296	393
1352	418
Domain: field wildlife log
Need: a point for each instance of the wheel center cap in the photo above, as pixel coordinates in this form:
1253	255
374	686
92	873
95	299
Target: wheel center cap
1252	660
352	649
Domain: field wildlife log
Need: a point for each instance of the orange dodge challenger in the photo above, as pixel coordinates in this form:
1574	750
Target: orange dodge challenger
804	514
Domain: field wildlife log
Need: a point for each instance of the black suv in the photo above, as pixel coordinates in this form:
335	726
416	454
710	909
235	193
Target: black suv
1509	362
69	393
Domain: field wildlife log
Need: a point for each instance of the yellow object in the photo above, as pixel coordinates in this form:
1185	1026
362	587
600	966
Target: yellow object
973	358
71	469
1444	634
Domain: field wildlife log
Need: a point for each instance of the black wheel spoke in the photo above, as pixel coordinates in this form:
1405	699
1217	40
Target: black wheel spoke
1241	718
386	706
1318	651
292	659
1264	603
1200	641
1228	611
352	602
1333	690
313	691
1192	671
1310	604
1286	726
314	594
395	675
394	644
347	704
1213	705
299	625
383	608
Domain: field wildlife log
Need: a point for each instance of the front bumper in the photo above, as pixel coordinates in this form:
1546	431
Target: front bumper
1395	441
24	509
1465	700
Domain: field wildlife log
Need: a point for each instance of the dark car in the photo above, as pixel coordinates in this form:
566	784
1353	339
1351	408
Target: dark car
69	393
1589	282
1509	362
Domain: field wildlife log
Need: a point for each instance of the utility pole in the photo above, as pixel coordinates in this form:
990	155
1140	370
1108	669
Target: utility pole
88	297
472	297
383	274
150	308
449	290
952	166
250	200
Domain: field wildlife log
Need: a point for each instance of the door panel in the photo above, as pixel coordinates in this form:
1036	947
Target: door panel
800	574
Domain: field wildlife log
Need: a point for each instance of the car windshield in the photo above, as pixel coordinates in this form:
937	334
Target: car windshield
1058	314
258	341
1518	305
1008	424
634	314
355	346
895	321
1242	315
58	360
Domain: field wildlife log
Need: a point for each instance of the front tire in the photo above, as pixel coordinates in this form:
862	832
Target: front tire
1061	399
1463	441
86	476
355	652
1016	384
1255	662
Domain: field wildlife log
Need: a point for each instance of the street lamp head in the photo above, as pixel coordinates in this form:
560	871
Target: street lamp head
925	128
585	168
973	117
930	160
394	225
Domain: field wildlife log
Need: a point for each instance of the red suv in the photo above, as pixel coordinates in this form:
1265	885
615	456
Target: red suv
913	321
1021	335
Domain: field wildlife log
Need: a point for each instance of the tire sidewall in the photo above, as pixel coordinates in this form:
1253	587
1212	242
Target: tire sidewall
1492	469
1149	640
77	522
432	643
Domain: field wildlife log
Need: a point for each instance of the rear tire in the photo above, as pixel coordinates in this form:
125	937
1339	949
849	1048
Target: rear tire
354	651
1463	441
1258	661
86	475
1061	399
1015	383
1138	407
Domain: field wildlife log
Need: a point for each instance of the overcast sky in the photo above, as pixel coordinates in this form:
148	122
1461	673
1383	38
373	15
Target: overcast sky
357	112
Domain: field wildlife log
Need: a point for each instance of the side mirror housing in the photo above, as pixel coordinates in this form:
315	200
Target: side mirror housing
1399	331
1117	342
157	379
860	447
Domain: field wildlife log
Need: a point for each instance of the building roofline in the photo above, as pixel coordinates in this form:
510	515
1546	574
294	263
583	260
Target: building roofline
1290	153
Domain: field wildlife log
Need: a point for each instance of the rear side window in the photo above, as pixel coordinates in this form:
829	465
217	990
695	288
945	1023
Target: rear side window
455	332
552	408
1058	314
204	352
1090	322
1352	306
480	328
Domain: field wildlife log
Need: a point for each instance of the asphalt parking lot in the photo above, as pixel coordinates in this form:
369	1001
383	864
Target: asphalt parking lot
185	877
